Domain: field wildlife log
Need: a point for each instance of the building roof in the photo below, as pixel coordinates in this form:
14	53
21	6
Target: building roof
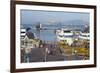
30	35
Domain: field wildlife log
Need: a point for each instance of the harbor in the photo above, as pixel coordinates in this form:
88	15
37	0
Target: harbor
44	44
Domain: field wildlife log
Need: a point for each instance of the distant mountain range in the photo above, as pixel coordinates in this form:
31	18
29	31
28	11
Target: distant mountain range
72	24
76	22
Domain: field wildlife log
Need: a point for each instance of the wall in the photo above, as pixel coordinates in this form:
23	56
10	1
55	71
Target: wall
5	36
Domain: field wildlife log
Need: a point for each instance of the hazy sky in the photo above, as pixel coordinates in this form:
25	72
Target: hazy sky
32	16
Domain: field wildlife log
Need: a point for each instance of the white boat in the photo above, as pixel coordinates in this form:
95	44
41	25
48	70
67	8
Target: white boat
23	32
85	36
70	35
65	35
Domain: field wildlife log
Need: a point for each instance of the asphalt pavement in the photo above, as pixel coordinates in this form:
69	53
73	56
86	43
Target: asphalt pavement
48	53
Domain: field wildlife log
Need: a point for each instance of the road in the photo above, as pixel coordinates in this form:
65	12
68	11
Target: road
54	54
40	55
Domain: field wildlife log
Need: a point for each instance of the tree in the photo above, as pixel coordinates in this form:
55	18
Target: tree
27	29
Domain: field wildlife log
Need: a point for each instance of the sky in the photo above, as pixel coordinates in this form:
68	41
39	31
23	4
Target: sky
34	16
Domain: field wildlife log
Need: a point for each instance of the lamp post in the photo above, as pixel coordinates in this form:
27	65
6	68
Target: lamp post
46	51
27	51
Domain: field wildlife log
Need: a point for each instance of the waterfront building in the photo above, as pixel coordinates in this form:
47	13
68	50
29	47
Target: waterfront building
28	40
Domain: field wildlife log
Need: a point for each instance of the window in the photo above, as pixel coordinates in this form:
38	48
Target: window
66	31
